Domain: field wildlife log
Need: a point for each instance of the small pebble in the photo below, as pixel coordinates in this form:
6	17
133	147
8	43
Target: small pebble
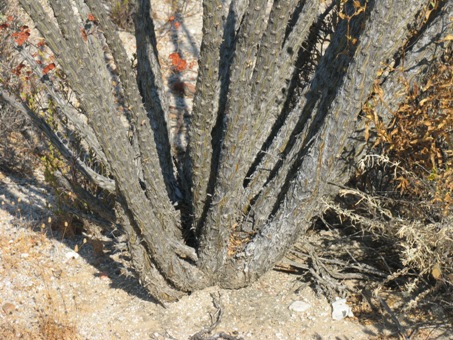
8	308
299	306
72	255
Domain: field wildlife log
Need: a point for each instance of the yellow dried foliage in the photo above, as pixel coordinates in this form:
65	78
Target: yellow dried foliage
420	135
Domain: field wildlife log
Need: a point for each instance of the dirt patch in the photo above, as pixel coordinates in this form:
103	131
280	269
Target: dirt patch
93	295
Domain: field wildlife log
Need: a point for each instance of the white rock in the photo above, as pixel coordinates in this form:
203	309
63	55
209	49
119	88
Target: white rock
299	306
71	255
341	310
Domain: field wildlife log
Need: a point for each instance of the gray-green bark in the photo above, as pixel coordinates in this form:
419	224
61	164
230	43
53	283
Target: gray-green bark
252	167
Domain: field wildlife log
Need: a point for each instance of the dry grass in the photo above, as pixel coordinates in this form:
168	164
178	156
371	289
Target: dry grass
416	151
392	227
420	137
122	14
399	207
31	274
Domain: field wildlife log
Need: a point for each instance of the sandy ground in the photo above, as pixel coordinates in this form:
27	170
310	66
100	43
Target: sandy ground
91	294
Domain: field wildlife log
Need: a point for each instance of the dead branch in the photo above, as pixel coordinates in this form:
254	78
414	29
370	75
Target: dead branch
202	335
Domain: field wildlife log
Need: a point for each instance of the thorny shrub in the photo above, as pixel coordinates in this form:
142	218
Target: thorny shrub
19	140
28	68
420	137
401	198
